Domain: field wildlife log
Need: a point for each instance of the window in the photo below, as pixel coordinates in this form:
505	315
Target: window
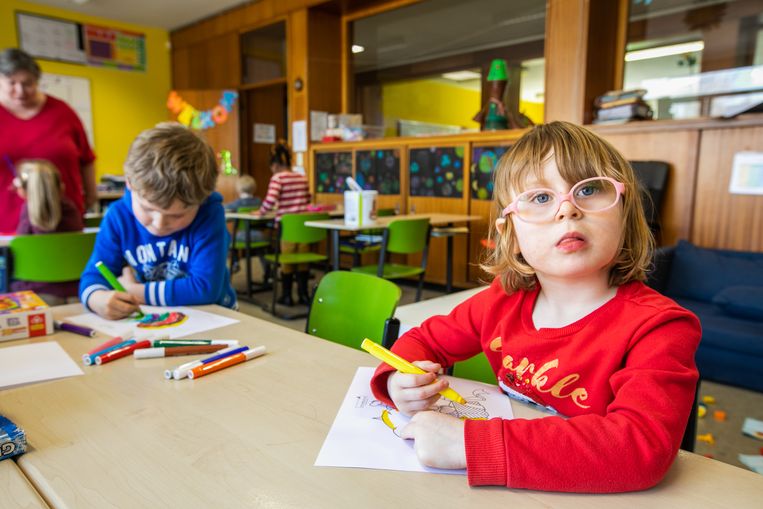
263	54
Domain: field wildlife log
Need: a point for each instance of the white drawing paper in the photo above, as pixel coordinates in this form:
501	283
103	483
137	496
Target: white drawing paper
35	362
359	438
197	321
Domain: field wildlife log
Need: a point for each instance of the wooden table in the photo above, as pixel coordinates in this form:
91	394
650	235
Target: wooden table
435	219
15	490
122	436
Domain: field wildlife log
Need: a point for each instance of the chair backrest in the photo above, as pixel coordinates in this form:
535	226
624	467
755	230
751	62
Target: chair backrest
407	236
292	228
350	306
476	368
653	178
52	257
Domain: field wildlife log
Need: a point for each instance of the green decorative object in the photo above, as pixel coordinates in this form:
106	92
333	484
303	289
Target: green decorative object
498	70
226	166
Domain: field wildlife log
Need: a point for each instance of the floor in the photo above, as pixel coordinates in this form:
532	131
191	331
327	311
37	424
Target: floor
728	439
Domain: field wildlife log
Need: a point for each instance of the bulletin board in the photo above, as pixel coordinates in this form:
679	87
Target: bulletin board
331	170
74	91
437	171
484	160
50	38
378	170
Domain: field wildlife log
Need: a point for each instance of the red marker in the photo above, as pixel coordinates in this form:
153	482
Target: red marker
121	352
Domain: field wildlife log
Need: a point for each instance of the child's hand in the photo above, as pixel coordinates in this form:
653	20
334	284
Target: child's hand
113	305
439	439
414	393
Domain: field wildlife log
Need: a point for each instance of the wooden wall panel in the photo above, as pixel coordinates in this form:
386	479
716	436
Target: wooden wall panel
679	148
212	63
722	219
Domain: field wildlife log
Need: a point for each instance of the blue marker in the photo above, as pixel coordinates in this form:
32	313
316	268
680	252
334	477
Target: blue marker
89	359
182	370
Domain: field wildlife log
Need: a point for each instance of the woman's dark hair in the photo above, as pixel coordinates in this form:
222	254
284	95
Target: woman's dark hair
13	60
280	154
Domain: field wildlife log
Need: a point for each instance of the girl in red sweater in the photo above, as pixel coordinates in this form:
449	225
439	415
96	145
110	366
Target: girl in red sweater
567	324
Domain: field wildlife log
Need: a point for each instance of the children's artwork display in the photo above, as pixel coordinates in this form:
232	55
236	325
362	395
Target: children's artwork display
378	170
437	171
331	170
365	433
483	164
177	322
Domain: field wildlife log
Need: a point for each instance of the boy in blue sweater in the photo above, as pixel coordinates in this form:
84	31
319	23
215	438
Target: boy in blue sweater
167	235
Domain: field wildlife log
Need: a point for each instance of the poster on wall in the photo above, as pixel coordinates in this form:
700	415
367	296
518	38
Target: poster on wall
74	91
437	172
50	38
111	47
378	170
747	173
483	164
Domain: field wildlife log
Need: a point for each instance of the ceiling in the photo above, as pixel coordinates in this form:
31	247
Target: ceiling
167	14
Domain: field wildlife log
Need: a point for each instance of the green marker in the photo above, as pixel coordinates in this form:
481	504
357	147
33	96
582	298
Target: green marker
113	281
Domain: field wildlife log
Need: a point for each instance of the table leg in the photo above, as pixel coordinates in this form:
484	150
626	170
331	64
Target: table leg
335	248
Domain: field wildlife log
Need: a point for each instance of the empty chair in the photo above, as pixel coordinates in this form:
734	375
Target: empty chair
365	241
653	178
350	306
402	236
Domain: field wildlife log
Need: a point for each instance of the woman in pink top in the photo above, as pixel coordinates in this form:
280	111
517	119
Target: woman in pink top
34	125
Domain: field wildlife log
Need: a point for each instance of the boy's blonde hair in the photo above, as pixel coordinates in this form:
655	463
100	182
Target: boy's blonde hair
171	162
41	183
246	184
579	154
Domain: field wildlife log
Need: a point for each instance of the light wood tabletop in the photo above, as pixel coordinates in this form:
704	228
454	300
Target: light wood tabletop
123	436
15	490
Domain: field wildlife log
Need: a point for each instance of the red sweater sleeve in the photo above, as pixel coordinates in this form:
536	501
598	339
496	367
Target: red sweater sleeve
628	448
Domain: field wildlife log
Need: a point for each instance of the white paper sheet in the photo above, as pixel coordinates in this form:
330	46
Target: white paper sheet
35	362
197	321
359	438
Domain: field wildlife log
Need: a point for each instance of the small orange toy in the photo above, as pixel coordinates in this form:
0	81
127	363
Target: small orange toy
719	415
708	438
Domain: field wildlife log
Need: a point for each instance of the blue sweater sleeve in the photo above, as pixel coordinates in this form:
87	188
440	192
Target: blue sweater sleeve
207	280
108	250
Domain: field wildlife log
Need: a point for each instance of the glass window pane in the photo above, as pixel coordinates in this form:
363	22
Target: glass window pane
263	54
692	55
421	69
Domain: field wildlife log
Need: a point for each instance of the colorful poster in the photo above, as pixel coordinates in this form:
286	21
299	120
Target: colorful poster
484	160
437	171
111	47
378	170
331	170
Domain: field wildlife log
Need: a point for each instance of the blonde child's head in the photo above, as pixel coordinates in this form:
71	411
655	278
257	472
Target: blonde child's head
579	154
246	185
39	182
170	162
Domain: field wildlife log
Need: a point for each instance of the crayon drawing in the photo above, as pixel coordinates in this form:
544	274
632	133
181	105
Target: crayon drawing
360	436
178	322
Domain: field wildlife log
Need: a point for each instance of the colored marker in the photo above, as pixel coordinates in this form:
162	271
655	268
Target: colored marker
89	359
225	362
77	329
121	352
181	371
404	366
151	353
111	342
191	342
113	281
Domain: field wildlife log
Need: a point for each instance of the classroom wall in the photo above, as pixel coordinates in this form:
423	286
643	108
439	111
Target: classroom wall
423	100
124	102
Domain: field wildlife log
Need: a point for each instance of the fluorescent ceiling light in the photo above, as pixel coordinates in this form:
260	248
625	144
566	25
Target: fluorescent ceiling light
664	51
357	48
462	75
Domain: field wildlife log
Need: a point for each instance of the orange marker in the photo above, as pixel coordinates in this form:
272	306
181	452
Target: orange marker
226	362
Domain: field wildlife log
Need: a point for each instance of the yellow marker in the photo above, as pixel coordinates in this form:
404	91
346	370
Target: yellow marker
404	366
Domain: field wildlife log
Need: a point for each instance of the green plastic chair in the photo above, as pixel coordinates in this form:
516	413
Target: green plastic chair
477	368
291	228
349	306
402	236
31	255
363	242
93	221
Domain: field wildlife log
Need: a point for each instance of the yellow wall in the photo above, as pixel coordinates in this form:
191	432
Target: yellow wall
124	102
428	101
